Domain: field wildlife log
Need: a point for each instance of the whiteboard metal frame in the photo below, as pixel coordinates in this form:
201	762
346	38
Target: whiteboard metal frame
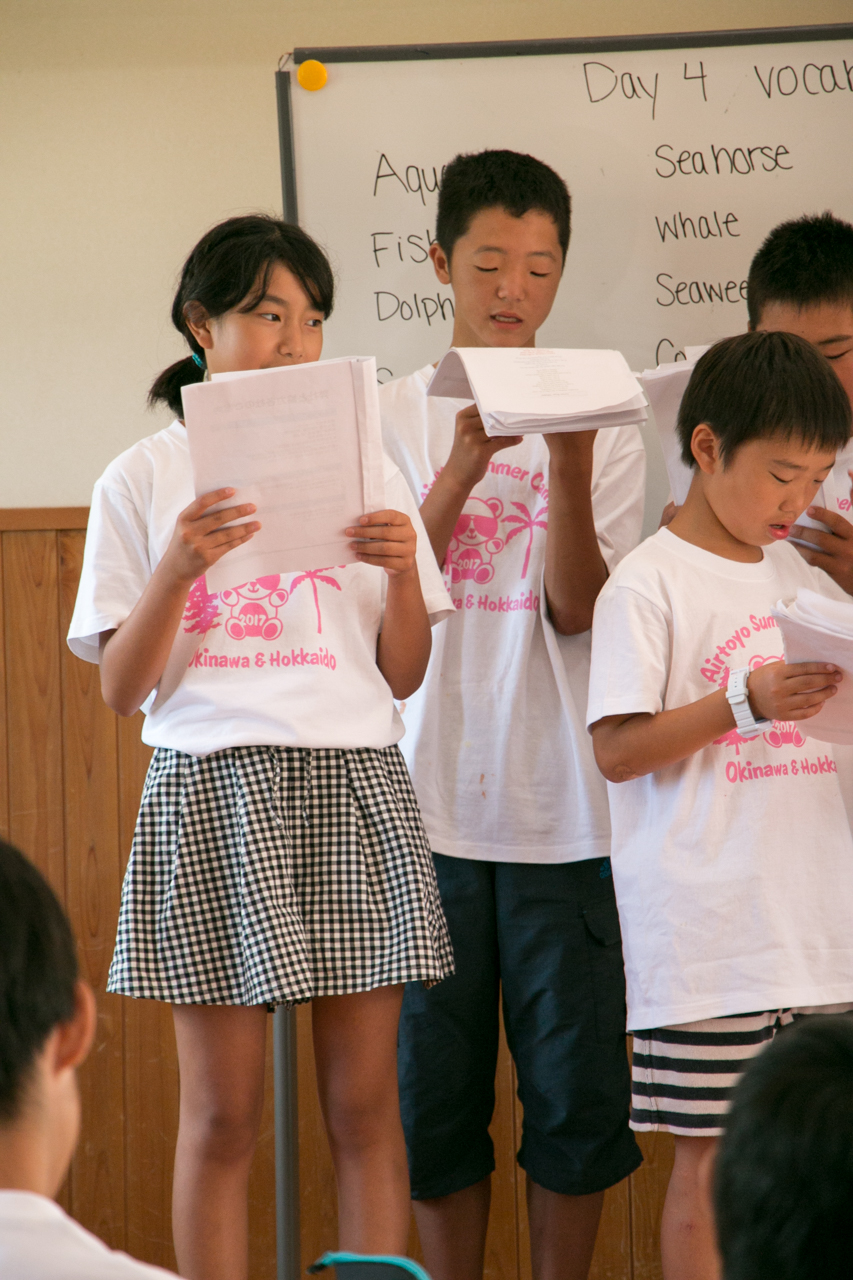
576	44
518	49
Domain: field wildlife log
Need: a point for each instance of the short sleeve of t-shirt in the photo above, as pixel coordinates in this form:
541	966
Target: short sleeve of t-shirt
399	497
630	660
116	568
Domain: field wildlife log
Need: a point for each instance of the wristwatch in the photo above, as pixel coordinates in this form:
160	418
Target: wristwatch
738	698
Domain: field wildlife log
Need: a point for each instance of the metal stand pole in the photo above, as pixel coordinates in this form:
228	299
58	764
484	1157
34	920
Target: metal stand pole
286	1146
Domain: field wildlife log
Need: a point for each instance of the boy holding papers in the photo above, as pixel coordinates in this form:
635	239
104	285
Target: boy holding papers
801	281
526	531
732	854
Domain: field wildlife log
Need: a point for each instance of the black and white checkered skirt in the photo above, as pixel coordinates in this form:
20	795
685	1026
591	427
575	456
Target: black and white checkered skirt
270	875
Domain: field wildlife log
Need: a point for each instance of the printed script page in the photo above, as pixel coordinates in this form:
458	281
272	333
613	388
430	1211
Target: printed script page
665	388
803	643
288	440
546	382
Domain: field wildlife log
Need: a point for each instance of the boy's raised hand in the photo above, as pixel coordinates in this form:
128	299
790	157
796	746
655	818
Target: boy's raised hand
200	539
833	551
473	449
791	690
386	539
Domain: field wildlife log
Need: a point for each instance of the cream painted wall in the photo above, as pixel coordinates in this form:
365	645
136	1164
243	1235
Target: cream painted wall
126	129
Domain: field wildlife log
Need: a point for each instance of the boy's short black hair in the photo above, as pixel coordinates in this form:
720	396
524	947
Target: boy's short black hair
499	180
804	262
758	385
783	1178
38	972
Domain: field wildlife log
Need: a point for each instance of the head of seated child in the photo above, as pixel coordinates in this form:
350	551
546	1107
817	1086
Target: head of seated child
783	1177
760	424
502	234
801	281
47	1021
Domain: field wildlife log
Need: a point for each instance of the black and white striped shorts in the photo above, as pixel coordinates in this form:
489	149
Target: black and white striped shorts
271	875
682	1076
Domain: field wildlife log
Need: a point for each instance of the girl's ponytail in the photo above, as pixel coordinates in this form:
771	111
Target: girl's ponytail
230	266
166	387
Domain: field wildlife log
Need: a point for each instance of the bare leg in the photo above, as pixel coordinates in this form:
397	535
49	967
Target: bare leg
453	1232
562	1232
221	1060
687	1244
355	1046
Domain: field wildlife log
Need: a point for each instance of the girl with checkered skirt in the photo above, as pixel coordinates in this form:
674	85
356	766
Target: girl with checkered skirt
279	854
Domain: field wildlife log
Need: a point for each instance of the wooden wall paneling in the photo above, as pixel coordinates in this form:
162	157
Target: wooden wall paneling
262	1237
4	737
150	1059
151	1110
31	598
317	1189
93	883
34	710
43	518
648	1189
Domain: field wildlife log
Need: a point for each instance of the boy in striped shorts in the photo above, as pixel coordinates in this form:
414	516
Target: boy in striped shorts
732	855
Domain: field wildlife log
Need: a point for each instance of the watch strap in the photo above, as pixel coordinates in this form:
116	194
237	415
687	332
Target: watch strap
738	699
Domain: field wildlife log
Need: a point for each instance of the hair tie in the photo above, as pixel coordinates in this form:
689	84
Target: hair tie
198	360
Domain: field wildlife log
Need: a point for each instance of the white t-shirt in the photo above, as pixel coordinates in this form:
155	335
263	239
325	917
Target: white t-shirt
733	869
286	661
836	487
38	1241
495	738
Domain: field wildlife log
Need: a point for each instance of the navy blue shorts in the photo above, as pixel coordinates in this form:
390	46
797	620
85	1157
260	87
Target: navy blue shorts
546	938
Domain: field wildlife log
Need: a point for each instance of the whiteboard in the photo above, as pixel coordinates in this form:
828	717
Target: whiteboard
679	159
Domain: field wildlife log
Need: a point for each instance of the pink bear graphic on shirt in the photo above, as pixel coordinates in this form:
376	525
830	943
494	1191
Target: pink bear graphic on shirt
784	733
475	541
250	614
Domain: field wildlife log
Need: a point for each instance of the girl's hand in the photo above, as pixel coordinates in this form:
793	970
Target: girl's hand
200	540
390	542
473	449
791	691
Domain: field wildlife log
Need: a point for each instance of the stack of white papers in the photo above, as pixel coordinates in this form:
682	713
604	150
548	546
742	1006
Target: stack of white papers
816	629
303	443
665	387
521	390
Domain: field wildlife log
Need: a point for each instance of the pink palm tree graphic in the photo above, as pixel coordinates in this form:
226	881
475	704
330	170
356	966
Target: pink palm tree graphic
314	576
528	522
202	608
